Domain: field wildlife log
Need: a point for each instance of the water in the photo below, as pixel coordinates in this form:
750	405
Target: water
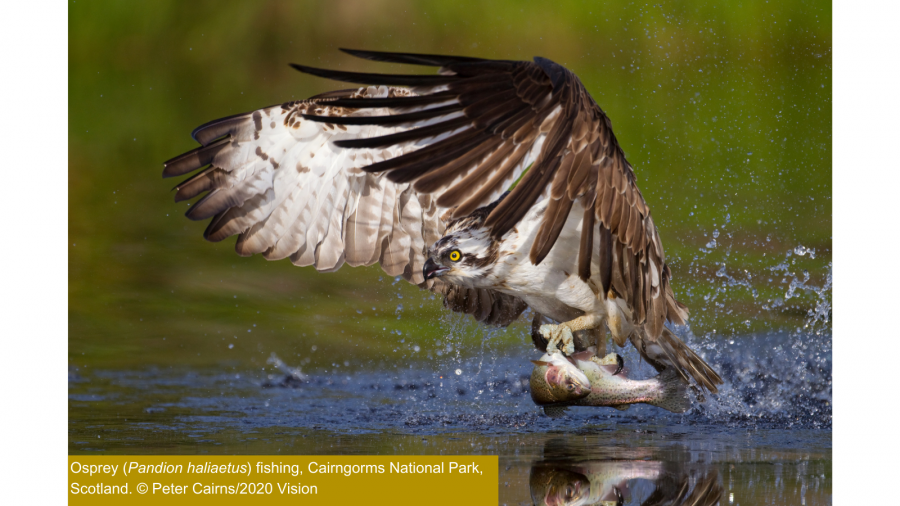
762	440
725	115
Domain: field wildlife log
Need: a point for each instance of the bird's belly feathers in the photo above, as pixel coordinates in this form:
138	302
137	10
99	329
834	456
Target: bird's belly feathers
553	287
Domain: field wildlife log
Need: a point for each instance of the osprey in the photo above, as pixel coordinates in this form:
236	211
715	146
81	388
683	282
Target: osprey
498	184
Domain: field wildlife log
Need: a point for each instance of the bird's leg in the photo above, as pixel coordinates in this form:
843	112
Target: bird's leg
563	332
600	340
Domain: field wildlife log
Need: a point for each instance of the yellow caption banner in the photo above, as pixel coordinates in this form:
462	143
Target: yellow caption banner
269	479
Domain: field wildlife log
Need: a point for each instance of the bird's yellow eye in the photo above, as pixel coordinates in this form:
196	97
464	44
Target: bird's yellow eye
455	255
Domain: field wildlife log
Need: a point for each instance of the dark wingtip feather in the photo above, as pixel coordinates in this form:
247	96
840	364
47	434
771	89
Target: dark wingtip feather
212	130
196	184
376	79
431	60
211	233
404	136
192	160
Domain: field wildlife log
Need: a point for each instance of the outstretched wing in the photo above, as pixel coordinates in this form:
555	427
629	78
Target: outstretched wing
478	125
278	181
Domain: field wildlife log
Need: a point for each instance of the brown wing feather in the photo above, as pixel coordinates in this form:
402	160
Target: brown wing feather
515	112
467	134
520	112
362	218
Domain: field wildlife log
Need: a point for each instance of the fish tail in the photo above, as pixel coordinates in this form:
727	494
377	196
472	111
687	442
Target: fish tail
674	395
687	363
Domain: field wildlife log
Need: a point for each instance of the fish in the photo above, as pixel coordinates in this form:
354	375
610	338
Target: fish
608	482
588	482
610	385
556	379
558	486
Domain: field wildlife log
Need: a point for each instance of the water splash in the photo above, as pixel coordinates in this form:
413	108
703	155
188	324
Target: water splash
777	374
780	376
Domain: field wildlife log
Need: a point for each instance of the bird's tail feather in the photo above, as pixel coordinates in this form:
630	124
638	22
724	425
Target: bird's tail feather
687	363
707	491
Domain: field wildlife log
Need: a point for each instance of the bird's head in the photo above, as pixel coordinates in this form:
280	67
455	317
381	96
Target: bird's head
464	256
467	253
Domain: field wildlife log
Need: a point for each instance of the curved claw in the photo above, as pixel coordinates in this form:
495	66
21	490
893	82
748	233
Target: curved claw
620	499
620	362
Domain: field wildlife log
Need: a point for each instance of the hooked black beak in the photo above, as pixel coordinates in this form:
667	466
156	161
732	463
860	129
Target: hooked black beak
432	269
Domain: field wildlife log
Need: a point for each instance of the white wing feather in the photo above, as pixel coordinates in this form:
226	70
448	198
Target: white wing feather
287	191
277	181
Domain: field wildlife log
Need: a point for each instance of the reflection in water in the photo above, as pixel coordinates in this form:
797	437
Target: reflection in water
565	478
781	458
655	454
611	482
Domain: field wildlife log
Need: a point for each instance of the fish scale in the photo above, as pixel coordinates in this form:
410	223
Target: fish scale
609	389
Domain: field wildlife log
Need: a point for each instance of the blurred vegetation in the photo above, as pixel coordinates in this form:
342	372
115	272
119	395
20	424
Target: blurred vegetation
723	108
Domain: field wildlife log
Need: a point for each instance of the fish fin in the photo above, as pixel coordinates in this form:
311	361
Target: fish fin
622	407
555	411
674	396
540	363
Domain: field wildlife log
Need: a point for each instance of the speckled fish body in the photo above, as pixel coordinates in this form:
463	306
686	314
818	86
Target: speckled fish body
558	486
588	482
666	390
555	378
609	483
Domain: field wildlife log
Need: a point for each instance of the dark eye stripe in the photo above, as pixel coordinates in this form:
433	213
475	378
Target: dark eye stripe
442	242
480	262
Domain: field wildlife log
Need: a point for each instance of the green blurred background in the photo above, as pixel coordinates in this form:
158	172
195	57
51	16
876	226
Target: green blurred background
723	108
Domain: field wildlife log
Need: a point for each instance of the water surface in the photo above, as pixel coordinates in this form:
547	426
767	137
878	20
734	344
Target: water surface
753	443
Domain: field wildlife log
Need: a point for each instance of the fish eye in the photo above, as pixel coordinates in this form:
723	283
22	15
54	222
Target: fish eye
455	255
570	387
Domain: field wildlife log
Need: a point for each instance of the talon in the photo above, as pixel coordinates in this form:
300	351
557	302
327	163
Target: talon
621	364
556	334
620	499
547	330
552	334
568	340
